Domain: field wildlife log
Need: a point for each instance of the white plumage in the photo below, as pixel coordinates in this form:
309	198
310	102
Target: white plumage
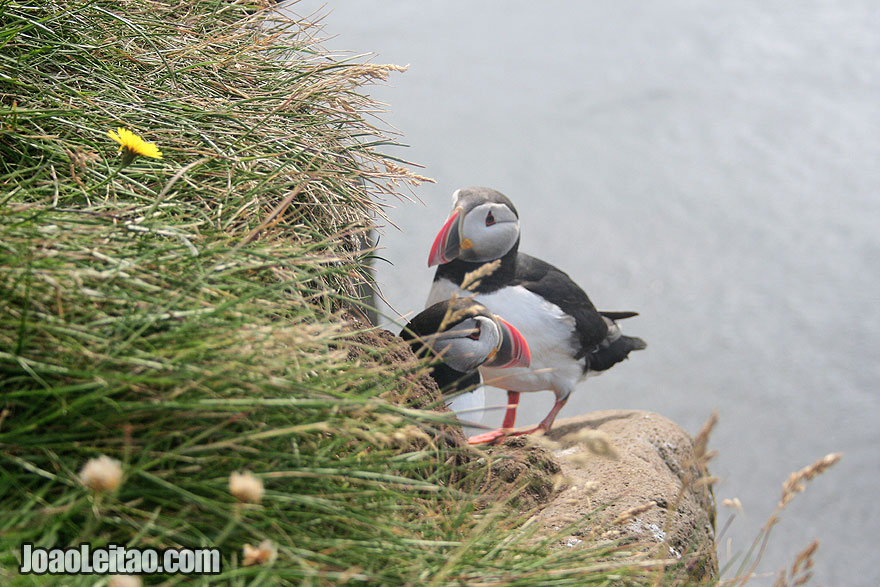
543	325
470	409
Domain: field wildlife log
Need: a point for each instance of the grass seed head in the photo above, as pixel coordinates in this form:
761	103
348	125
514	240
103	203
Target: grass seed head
246	487
101	474
258	555
472	280
633	512
734	503
595	441
125	581
804	561
701	440
795	482
800	573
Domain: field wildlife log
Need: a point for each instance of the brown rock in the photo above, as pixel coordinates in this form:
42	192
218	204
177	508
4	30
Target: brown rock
520	469
644	461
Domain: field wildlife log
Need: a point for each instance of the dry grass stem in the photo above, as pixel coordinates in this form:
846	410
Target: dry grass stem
454	313
790	488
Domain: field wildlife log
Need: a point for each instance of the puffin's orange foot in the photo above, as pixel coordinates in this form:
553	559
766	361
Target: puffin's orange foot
490	437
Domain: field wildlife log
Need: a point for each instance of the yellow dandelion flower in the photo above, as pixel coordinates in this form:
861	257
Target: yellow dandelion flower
133	144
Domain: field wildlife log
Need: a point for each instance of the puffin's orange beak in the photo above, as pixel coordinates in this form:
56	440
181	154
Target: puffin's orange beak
448	242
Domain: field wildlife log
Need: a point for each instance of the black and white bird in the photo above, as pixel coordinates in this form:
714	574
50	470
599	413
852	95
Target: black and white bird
569	339
458	335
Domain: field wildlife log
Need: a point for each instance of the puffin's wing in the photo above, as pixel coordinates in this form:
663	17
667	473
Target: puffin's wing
451	381
557	287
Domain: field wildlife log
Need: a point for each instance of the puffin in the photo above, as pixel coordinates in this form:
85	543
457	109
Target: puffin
458	335
569	338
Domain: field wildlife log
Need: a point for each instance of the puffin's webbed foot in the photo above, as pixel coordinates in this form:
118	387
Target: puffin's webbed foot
496	436
490	437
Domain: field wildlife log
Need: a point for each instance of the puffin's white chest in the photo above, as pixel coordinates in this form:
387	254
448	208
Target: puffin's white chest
547	329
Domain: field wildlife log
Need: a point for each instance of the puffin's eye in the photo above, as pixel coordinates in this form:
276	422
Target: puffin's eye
490	219
475	333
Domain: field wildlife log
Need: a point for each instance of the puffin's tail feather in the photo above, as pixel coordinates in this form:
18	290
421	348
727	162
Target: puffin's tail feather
615	347
618	315
607	356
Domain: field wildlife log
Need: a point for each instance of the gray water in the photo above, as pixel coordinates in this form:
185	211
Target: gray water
713	166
